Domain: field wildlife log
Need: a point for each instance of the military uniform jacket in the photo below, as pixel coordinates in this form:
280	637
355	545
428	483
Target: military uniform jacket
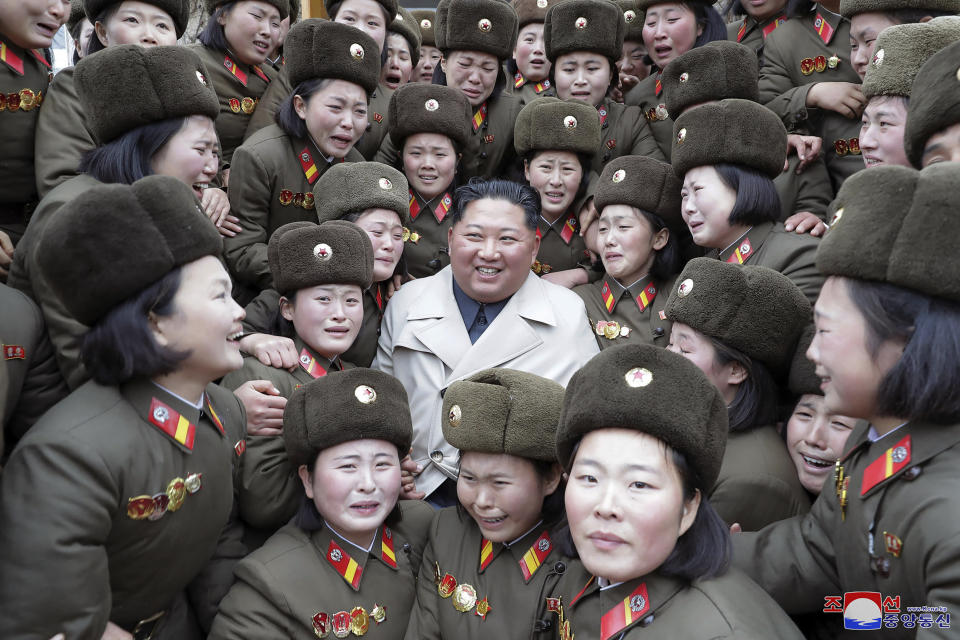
306	584
526	90
626	132
796	56
31	383
561	246
425	241
897	533
270	489
271	184
63	136
490	152
378	122
658	606
24	77
470	587
770	245
633	315
239	88
111	504
758	482
64	330
648	96
752	33
810	190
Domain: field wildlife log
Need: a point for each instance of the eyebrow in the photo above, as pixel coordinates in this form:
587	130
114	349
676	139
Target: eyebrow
629	467
501	230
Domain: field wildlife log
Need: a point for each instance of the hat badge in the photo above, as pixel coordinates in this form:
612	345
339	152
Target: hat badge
836	217
455	416
681	135
356	51
323	252
685	288
385	184
542	4
484	25
619	175
399	18
629	16
431	105
201	78
580	23
638	377
878	57
425	24
684	77
365	394
570	122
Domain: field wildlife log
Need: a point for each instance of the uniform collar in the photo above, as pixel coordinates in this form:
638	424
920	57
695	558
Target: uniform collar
349	561
899	451
747	244
611	291
172	416
312	365
634	602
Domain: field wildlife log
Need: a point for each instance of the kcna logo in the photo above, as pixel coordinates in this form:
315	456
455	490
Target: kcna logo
869	610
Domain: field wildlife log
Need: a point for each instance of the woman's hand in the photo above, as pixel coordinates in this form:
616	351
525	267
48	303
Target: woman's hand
113	632
846	98
264	406
805	222
807	149
273	351
409	470
568	278
6	255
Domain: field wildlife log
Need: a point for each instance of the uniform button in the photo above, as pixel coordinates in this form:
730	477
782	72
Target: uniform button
406	547
912	473
646	622
658	332
434	264
483	154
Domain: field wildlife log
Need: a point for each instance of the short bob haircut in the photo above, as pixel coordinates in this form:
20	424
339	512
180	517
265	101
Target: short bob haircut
755	403
213	36
757	198
128	158
522	195
105	15
923	384
668	261
583	159
704	551
121	345
287	118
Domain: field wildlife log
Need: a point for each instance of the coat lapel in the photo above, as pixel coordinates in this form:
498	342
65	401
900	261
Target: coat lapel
436	323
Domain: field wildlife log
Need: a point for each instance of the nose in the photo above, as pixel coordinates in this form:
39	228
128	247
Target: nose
239	313
488	249
538	46
581	77
337	310
365	483
60	10
813	351
484	497
868	140
555	176
149	35
607	507
817	431
861	56
672	347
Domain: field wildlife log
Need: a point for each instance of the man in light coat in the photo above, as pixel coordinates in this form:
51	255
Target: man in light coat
487	309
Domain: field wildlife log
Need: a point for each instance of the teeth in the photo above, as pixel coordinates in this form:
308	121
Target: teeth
487	270
817	462
235	336
202	185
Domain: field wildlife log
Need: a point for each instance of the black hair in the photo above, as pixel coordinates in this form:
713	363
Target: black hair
439	77
95	43
614	76
213	36
755	403
799	8
757	198
287	118
76	32
585	160
711	24
121	345
553	510
703	551
334	9
522	195
667	261
923	384
128	158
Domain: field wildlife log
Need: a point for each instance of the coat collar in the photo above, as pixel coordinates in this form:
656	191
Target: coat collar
348	561
170	415
746	245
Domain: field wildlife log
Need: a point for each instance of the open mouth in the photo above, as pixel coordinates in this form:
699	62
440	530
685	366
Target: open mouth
610	257
365	508
235	337
261	46
492	522
555	196
817	464
199	188
341	141
487	272
393	80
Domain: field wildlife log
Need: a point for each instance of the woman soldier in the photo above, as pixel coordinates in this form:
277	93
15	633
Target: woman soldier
26	28
759	19
642	435
128	481
670	30
347	563
63	133
333	69
320	272
740	325
430	125
556	140
402	50
528	72
584	41
901	51
152	111
639	203
490	560
633	65
374	197
234	47
727	154
373	17
886	351
476	36
429	54
80	30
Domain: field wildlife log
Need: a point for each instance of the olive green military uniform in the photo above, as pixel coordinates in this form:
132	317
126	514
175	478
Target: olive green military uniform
896	533
65	331
561	246
63	136
810	190
270	187
294	586
770	245
626	133
527	90
751	32
264	116
659	606
31	383
653	109
263	309
758	482
627	315
503	585
127	490
239	88
425	241
24	78
795	57
377	122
